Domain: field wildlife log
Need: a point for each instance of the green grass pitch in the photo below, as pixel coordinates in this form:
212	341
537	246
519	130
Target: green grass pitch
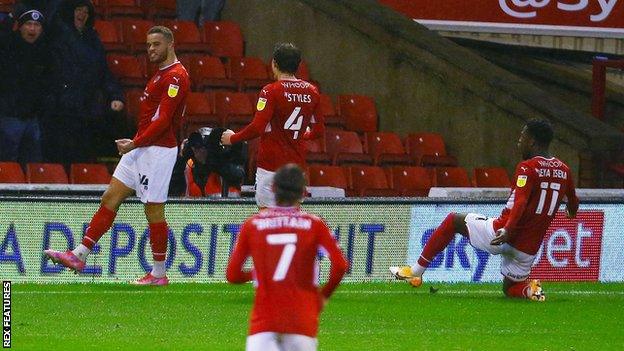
371	316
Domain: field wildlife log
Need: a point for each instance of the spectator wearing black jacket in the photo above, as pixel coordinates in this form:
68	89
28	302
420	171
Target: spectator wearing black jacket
25	71
203	164
83	84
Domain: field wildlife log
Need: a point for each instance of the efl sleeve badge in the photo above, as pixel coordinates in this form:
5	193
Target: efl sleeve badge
261	104
173	90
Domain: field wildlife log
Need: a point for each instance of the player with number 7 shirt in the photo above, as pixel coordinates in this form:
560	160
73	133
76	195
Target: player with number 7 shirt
288	112
541	183
284	242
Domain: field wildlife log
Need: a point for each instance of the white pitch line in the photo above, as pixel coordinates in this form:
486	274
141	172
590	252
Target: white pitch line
351	292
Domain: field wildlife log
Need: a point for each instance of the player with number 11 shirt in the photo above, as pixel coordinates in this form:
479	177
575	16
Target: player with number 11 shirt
288	112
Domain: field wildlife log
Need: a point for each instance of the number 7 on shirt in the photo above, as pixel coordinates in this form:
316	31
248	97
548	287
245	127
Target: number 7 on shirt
289	241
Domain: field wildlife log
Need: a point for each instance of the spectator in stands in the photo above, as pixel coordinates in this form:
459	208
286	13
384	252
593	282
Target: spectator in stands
203	162
46	7
25	71
199	11
84	86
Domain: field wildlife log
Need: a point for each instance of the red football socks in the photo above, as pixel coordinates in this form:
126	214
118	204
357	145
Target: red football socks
100	224
518	290
158	240
440	238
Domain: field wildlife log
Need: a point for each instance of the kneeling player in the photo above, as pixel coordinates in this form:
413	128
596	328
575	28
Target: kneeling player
541	183
283	242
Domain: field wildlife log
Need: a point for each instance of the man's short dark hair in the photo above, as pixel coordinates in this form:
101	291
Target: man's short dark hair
166	32
540	130
287	57
289	183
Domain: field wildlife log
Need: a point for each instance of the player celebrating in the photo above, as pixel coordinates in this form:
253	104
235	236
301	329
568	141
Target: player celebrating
147	161
285	110
541	183
283	242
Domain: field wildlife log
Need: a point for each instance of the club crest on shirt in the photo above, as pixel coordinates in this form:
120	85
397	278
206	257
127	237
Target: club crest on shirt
261	104
522	180
173	90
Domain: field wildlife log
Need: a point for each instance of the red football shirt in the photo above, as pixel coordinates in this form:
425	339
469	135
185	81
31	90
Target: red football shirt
284	111
162	107
541	184
283	243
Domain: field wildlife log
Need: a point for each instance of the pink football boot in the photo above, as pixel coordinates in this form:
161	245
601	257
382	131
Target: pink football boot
67	259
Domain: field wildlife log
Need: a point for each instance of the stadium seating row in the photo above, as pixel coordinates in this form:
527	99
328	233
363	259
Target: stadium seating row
402	181
54	173
357	180
233	109
221	39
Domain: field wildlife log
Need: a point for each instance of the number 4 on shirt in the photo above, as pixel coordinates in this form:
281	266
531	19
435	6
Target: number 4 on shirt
289	241
291	124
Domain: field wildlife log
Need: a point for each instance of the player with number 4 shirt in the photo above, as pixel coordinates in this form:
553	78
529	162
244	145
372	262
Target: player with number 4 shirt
541	183
288	112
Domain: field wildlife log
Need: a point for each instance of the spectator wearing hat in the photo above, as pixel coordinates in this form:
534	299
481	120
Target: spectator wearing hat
84	88
25	70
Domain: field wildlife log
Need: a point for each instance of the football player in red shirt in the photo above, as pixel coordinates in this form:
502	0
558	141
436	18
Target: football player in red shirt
147	161
285	110
541	182
283	243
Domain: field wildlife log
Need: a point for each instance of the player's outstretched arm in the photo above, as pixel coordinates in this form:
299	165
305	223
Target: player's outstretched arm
235	273
339	264
264	113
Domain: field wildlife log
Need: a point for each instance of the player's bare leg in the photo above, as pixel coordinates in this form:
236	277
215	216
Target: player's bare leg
158	234
441	237
100	223
528	289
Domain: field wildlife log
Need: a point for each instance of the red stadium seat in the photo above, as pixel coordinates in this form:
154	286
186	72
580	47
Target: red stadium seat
428	149
89	173
209	72
156	9
410	181
452	177
6	5
224	39
333	176
200	112
46	173
121	8
135	34
249	72
127	69
370	181
317	152
11	172
386	148
346	148
110	35
359	112
332	118
187	36
494	177
234	108
302	72
132	105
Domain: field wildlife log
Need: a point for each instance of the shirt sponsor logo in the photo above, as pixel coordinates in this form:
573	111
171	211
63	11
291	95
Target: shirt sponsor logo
173	90
261	104
522	180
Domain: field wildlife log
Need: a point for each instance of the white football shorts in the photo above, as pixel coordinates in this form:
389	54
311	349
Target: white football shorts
269	341
148	170
516	265
265	197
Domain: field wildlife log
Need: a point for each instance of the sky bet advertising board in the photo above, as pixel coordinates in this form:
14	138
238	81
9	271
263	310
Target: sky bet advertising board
372	237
